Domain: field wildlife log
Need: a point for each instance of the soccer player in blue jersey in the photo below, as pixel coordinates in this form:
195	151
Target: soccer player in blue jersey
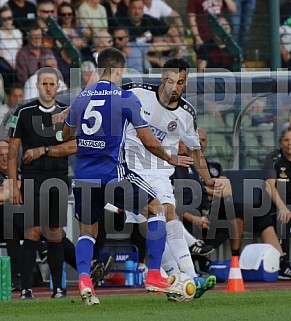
98	119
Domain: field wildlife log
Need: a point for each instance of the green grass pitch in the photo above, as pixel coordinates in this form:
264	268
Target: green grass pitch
247	306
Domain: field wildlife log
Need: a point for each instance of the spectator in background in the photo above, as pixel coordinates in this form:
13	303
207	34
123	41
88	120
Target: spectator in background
10	37
159	9
144	28
10	43
65	63
198	11
213	53
28	57
241	21
23	13
92	17
68	22
101	40
114	9
285	12
8	222
30	89
278	177
285	44
14	95
136	54
261	224
89	75
57	3
45	9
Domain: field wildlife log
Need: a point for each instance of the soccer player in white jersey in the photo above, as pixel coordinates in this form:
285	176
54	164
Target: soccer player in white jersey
98	119
171	119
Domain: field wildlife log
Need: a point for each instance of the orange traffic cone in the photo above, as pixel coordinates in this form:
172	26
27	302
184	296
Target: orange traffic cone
235	280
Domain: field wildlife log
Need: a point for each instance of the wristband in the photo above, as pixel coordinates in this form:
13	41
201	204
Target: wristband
46	150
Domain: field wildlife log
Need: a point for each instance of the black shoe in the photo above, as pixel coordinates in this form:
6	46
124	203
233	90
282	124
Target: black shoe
200	248
204	265
59	294
285	273
26	294
100	269
285	269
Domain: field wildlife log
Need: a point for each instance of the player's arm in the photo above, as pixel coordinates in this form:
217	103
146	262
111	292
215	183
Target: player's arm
13	152
202	169
284	213
152	144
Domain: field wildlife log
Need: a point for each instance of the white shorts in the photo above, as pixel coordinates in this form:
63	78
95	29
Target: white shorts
164	190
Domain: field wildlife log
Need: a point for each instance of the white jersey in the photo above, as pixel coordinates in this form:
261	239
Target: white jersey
168	125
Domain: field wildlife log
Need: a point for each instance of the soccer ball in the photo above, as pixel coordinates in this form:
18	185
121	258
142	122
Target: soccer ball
184	283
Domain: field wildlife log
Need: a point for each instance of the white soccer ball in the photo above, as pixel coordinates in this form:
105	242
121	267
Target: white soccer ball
184	283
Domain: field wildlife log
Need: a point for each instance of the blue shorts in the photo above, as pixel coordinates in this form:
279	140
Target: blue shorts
131	194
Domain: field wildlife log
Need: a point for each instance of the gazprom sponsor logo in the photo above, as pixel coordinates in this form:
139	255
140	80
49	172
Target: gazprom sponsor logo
99	144
103	92
159	134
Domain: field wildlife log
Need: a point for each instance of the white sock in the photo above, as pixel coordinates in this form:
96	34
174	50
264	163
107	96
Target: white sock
190	239
168	262
179	248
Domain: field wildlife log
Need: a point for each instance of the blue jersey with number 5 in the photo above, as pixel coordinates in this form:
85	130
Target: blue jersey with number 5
100	115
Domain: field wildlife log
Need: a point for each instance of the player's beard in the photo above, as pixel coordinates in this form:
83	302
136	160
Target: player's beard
174	99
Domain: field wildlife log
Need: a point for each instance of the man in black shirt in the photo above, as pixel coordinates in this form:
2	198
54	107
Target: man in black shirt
24	12
220	208
214	54
277	171
144	28
44	179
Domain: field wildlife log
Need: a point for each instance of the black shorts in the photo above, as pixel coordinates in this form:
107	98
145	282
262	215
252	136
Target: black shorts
45	201
131	194
254	221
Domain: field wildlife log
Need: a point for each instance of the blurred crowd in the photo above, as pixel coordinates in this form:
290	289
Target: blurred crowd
147	32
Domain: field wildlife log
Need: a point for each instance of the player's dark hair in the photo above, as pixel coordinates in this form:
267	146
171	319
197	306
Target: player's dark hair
176	65
110	58
48	70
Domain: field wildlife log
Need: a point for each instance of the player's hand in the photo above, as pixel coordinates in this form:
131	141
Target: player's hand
201	221
60	117
15	196
284	215
215	184
31	155
178	160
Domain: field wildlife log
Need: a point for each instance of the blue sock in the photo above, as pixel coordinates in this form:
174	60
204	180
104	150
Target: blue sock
84	254
156	239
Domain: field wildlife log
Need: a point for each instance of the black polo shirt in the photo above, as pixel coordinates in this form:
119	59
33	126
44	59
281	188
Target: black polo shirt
278	167
32	123
149	24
